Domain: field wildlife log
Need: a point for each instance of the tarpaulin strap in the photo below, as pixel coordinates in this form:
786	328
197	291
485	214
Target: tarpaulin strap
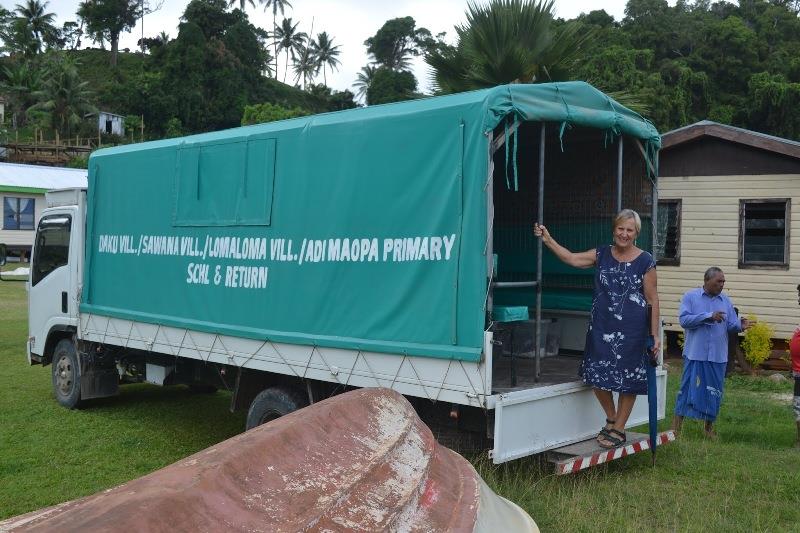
565	124
509	137
614	130
608	135
516	146
505	126
652	155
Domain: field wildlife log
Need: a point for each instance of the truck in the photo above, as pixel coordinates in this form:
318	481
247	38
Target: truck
387	246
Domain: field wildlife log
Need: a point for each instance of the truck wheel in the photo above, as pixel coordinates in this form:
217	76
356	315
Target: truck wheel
67	374
273	403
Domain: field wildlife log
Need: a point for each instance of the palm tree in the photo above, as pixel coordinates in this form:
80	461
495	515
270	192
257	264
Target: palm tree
39	23
289	41
20	81
305	66
276	5
325	54
242	3
364	80
508	41
64	96
18	39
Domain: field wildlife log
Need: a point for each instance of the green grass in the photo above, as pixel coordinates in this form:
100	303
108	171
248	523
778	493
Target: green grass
748	480
49	454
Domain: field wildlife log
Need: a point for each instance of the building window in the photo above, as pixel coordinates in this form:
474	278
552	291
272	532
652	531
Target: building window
764	233
668	233
18	213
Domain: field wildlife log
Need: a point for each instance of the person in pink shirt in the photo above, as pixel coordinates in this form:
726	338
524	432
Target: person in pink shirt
794	349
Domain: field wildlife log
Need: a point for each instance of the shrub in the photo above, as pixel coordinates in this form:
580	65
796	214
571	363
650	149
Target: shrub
78	162
260	113
757	344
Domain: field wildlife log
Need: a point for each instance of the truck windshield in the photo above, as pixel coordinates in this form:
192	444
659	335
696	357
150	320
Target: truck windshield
52	246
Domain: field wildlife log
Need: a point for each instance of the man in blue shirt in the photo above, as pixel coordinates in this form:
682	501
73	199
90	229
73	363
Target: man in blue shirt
706	316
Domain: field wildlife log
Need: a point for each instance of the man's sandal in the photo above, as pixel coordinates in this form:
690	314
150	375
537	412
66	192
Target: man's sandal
604	431
613	439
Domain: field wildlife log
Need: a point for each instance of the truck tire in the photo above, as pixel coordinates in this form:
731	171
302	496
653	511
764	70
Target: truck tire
273	403
67	374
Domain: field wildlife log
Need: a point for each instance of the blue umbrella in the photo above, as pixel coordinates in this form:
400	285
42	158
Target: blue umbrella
652	389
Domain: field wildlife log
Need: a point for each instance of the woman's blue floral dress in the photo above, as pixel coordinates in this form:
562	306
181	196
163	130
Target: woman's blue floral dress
614	359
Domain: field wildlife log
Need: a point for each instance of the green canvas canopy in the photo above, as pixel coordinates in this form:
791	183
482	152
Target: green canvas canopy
363	229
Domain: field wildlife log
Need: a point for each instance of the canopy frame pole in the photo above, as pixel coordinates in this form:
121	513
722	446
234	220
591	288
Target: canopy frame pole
619	174
653	244
489	249
540	220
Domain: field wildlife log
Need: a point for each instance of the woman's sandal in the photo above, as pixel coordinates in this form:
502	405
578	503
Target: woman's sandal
609	441
604	431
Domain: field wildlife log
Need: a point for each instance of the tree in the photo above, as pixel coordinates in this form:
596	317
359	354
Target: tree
210	17
37	21
364	81
391	86
773	105
508	41
64	96
71	34
242	3
276	6
248	44
305	67
396	42
212	69
18	40
133	126
334	100
20	81
289	41
109	18
325	54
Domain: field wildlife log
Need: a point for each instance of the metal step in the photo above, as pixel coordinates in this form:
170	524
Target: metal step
581	455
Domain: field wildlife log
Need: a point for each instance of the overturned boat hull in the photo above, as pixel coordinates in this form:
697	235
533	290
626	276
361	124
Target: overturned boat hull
360	461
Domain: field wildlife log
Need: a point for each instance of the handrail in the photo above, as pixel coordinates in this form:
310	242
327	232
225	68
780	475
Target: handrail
514	284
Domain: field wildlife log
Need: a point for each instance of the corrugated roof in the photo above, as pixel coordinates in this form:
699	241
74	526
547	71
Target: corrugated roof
41	177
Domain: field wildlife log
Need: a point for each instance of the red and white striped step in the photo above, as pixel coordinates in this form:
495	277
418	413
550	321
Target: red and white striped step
588	453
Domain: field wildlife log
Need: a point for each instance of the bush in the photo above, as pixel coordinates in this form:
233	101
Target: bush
757	344
78	162
260	113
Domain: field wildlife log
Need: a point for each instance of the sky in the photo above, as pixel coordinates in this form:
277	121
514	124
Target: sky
349	22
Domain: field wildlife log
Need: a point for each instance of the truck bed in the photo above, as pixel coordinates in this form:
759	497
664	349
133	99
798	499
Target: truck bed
554	370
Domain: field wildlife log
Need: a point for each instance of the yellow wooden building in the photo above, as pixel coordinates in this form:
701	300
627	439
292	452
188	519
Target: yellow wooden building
730	198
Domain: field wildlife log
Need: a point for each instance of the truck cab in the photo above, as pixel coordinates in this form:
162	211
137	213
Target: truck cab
55	275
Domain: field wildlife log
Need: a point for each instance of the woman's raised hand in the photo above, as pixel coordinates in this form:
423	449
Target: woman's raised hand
540	231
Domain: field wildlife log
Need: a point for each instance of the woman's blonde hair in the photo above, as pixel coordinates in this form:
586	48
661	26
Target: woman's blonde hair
627	214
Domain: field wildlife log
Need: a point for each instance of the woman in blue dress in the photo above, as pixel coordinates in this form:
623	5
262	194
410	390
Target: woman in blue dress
624	283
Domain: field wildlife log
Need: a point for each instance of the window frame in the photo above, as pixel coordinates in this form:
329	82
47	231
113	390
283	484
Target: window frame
787	214
37	274
18	228
672	261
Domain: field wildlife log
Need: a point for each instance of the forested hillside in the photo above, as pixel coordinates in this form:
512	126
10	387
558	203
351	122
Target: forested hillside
738	64
735	63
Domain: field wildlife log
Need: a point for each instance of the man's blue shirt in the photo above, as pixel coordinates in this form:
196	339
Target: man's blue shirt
706	340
